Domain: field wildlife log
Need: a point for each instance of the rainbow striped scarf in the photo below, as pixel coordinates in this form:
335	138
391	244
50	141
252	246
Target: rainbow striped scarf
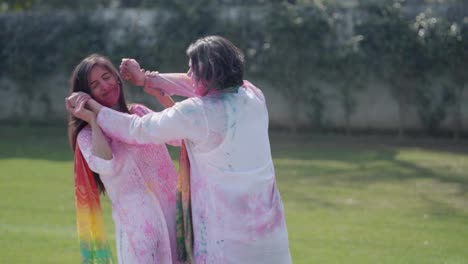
184	212
91	232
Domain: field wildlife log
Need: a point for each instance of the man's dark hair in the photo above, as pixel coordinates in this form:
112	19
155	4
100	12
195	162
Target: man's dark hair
216	62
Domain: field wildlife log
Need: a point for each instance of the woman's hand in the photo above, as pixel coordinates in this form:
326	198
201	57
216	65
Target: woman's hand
75	105
148	88
159	94
132	72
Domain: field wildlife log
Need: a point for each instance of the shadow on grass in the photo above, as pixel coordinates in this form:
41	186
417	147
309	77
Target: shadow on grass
35	142
41	142
333	163
329	159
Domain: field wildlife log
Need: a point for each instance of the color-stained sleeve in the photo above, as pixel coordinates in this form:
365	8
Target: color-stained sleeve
185	120
173	84
95	163
142	110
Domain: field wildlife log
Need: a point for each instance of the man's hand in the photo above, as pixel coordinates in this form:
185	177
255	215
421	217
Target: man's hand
132	72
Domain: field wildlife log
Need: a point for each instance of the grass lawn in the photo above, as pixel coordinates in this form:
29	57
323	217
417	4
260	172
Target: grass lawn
347	199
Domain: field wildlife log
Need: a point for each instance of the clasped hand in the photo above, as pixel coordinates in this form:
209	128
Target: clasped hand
76	105
131	71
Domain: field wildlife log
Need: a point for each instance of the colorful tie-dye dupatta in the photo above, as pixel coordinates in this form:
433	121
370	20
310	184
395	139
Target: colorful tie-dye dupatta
184	212
91	233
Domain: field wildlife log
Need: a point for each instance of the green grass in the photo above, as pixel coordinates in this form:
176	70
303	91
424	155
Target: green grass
347	200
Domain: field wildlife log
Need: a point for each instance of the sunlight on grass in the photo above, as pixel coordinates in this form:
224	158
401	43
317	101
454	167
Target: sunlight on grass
352	202
374	204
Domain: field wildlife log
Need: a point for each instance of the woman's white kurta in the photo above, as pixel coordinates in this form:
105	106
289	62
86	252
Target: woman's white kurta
140	182
237	212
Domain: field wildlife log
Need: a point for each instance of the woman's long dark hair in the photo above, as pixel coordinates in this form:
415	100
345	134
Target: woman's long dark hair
79	83
216	62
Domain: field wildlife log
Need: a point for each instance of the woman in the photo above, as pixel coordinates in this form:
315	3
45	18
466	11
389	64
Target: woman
140	180
237	211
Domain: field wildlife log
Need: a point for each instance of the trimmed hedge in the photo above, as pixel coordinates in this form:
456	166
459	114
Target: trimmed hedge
314	41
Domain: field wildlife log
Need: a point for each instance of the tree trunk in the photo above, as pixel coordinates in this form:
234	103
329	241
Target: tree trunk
294	116
458	114
401	117
399	95
348	123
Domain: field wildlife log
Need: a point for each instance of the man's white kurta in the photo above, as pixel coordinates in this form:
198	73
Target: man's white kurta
237	212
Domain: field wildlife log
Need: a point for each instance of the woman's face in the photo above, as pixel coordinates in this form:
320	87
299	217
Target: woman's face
104	86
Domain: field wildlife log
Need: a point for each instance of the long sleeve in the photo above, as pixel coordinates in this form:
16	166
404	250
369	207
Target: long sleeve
173	84
142	110
185	120
95	163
